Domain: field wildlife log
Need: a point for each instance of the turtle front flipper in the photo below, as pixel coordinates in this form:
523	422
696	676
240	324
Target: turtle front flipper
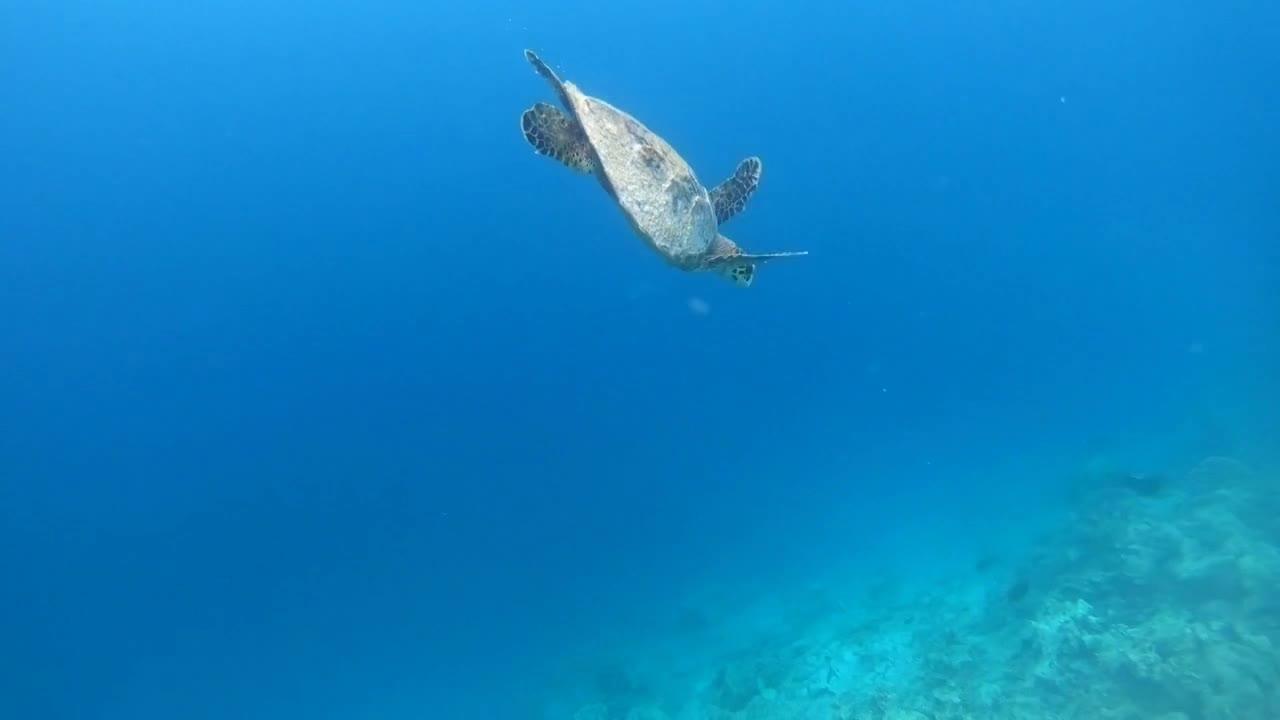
553	133
731	196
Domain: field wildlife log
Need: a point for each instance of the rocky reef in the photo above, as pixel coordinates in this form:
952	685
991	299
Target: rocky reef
1157	601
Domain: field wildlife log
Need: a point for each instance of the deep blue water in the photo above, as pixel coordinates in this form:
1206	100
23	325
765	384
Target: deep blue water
322	395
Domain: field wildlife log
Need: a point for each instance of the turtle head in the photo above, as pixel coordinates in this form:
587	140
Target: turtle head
740	274
737	266
727	260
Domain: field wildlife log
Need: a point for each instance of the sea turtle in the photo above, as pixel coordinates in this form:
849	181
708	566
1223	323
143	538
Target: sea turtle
657	190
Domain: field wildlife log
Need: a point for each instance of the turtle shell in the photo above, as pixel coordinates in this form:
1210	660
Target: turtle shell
654	186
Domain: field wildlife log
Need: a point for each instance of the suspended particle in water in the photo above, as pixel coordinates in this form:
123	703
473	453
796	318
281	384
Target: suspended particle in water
698	306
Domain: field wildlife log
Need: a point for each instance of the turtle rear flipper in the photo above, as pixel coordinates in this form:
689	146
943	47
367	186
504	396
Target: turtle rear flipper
553	133
731	196
550	76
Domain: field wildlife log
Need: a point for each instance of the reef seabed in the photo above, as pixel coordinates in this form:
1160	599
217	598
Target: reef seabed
1151	604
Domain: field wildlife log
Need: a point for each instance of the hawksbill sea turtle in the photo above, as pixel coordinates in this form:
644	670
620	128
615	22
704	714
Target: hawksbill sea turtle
655	188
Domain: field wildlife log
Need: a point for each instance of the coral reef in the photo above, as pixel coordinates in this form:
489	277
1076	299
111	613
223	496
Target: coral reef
1158	601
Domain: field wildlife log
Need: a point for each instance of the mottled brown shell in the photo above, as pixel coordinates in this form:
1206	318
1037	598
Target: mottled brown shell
654	186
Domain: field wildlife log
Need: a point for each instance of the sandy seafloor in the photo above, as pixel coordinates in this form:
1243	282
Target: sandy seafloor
1154	597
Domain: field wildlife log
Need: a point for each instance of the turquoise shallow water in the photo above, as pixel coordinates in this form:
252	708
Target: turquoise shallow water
1149	596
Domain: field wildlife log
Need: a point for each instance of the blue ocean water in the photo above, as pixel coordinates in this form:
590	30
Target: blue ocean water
322	395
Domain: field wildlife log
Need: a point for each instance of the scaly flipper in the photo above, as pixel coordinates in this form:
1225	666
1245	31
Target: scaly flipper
550	76
731	196
554	134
